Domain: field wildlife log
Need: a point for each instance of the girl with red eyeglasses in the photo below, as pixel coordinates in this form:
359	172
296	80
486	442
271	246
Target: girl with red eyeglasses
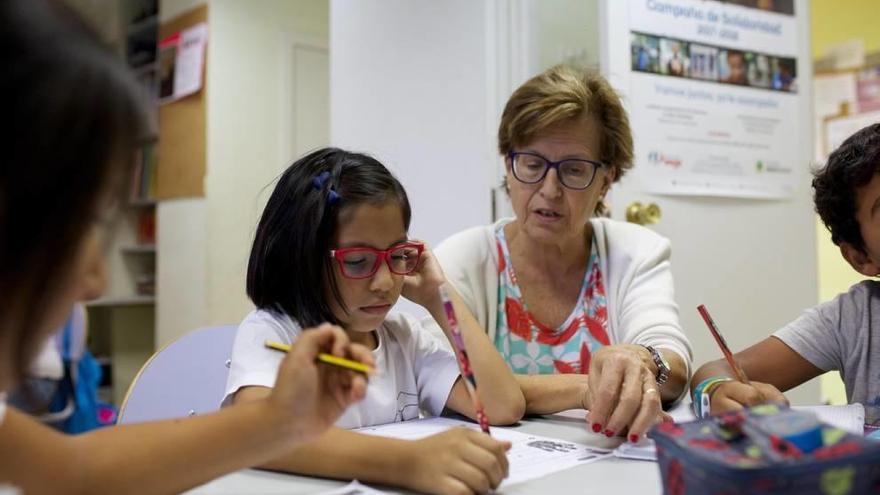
332	246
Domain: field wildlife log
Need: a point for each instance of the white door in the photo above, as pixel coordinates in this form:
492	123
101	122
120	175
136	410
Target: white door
305	95
751	262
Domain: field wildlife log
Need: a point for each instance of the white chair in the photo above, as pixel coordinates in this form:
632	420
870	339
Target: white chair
186	378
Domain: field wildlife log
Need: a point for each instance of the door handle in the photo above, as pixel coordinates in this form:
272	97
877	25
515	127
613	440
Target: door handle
641	214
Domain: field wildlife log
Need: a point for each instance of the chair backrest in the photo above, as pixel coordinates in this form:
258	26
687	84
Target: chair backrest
186	378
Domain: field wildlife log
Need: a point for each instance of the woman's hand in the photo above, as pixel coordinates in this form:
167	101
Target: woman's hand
624	396
459	460
313	395
423	285
733	395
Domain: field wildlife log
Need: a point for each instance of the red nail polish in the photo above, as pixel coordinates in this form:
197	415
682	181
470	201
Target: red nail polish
609	433
597	427
634	438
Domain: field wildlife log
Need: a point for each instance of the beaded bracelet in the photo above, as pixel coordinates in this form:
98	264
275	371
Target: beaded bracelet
702	394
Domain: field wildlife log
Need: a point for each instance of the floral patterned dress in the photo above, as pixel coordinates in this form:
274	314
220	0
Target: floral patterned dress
529	346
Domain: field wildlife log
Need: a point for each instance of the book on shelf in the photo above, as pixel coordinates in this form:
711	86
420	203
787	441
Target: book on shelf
146	227
143	178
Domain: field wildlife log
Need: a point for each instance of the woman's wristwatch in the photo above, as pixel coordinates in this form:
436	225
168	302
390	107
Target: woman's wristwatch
662	365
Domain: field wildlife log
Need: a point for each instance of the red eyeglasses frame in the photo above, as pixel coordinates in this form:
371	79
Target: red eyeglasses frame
381	254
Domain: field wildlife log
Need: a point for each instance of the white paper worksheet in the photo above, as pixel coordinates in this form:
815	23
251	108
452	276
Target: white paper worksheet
531	456
354	488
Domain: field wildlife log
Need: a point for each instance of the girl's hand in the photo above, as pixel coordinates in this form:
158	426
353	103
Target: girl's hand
422	286
733	395
624	396
311	395
459	460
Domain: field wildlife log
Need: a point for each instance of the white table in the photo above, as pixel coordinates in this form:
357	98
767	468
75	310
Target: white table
611	475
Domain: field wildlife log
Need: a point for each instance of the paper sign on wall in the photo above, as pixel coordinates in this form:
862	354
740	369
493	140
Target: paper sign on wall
182	63
714	97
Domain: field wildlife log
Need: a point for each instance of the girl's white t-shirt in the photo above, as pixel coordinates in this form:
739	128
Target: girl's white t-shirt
416	370
48	363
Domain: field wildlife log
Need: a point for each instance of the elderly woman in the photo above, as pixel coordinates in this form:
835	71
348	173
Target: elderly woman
580	307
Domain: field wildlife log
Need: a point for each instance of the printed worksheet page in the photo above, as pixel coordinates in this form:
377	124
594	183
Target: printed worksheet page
530	457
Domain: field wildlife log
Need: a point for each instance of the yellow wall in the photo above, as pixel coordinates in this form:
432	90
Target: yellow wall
835	21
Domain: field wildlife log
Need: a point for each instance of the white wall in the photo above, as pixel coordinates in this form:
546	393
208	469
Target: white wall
181	268
530	37
204	243
180	245
409	86
563	31
244	128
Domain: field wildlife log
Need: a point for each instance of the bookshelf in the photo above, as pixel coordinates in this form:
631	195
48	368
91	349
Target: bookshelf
121	324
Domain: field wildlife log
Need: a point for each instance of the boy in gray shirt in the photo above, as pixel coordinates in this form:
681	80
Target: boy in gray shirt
838	334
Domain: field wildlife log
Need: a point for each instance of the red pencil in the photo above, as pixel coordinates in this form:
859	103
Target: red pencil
737	370
464	364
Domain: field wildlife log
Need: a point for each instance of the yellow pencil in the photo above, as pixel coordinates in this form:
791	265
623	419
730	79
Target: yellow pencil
327	358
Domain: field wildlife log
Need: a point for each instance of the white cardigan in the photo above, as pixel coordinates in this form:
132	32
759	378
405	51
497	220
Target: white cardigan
635	267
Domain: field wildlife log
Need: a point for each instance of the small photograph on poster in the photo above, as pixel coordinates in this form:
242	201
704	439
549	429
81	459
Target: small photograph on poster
758	70
784	73
779	6
732	67
704	62
645	53
674	60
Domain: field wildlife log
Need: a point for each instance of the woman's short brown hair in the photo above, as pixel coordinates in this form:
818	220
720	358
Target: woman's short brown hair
561	94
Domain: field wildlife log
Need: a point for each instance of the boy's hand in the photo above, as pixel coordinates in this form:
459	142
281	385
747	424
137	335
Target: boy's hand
312	396
423	285
733	395
459	460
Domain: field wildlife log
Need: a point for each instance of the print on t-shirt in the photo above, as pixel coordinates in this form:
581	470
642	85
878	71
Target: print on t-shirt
407	406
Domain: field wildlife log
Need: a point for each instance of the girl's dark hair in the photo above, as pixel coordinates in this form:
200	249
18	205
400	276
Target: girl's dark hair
290	268
74	117
852	165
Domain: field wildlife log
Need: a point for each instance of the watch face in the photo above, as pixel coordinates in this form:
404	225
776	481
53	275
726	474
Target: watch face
665	362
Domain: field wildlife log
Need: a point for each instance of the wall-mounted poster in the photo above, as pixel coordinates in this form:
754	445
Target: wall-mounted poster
713	96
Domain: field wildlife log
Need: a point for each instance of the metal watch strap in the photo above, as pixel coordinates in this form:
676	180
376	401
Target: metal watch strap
662	367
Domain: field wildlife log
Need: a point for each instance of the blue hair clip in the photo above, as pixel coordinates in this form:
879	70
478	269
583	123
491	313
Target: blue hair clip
319	180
